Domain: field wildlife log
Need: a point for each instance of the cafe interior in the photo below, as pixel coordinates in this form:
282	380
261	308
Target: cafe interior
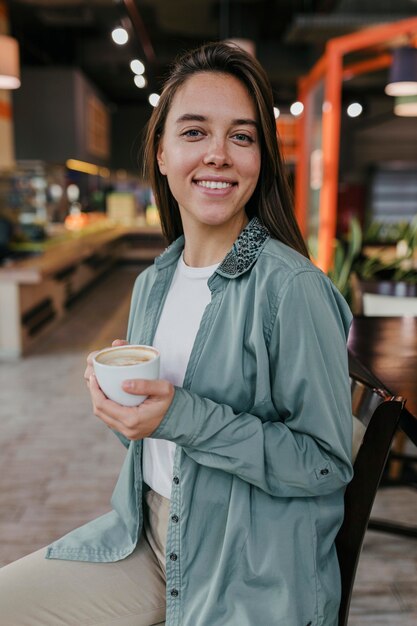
78	223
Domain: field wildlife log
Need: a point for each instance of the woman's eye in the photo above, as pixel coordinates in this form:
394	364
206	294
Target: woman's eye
193	133
243	138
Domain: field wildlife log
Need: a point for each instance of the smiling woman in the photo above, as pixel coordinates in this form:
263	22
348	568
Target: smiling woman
231	495
271	199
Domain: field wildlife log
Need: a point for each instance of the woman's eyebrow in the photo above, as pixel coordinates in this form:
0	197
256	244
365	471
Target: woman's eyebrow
245	122
195	117
191	117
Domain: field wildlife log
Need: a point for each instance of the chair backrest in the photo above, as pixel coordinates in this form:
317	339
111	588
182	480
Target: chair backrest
379	413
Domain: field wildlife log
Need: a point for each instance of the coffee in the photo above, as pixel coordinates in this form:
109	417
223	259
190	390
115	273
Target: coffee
125	356
122	360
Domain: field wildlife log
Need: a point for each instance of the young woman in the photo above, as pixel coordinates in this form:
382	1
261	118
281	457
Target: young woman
231	494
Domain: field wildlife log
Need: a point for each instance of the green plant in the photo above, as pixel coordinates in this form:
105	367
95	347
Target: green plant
383	233
345	255
398	269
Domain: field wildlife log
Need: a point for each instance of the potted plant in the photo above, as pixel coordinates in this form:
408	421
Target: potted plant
393	274
386	267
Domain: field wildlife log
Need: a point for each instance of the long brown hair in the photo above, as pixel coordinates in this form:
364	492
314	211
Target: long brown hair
271	200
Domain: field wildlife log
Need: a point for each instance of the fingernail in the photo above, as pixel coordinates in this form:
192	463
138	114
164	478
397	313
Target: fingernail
128	384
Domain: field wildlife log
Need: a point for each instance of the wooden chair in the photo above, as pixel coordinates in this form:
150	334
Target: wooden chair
378	414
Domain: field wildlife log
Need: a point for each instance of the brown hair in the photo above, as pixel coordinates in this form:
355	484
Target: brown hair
271	200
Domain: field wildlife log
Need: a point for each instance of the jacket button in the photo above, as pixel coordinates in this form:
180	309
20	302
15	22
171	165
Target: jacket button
174	593
176	480
324	472
173	556
175	518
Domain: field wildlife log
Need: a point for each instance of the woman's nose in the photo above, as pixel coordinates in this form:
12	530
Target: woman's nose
217	154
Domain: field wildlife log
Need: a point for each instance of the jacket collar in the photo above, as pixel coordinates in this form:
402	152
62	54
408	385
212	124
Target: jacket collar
237	261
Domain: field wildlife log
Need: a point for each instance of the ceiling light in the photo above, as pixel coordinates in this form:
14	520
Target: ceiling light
405	106
137	66
276	112
354	109
120	36
9	63
140	81
153	99
403	73
296	108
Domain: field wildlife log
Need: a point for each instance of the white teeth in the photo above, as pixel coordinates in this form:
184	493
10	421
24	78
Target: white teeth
211	184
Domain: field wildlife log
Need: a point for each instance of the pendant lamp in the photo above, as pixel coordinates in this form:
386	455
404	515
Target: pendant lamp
403	73
9	63
405	106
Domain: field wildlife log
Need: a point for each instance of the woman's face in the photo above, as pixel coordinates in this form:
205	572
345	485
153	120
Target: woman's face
210	150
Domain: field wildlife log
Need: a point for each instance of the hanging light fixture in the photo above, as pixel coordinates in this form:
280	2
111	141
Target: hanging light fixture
120	35
405	106
403	73
9	63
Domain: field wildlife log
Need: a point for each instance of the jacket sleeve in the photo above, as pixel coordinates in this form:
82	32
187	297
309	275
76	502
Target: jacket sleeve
306	449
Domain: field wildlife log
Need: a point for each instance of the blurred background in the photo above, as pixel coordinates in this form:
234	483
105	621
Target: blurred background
78	80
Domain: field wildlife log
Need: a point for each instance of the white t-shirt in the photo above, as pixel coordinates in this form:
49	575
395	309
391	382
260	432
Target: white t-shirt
184	306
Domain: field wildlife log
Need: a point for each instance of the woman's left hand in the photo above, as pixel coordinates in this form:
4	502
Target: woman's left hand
139	421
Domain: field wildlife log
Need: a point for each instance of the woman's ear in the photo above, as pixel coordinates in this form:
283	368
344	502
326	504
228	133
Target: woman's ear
161	159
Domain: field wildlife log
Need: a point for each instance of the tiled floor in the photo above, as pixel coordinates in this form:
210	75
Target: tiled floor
58	463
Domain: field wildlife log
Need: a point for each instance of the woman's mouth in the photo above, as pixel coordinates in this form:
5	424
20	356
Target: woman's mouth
214	184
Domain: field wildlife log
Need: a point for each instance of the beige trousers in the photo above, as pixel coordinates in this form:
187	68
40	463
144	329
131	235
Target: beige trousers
35	591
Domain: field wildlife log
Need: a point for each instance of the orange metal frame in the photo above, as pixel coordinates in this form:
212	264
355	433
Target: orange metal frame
330	69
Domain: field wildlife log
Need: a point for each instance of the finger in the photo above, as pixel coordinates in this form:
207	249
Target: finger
101	403
91	356
143	387
117	417
89	369
112	423
119	342
87	374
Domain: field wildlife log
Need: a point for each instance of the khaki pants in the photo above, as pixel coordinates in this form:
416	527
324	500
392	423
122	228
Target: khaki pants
35	591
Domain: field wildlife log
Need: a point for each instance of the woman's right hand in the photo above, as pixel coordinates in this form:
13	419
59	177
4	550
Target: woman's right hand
89	370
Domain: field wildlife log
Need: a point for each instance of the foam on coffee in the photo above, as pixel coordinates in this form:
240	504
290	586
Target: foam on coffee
125	356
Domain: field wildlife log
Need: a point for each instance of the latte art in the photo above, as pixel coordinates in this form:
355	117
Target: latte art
126	360
125	356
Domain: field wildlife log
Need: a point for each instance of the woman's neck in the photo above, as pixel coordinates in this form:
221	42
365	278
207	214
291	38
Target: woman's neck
208	245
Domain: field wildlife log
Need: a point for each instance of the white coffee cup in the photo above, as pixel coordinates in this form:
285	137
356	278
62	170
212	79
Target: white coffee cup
112	366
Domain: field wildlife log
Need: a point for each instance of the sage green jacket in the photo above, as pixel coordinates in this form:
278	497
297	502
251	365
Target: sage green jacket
263	428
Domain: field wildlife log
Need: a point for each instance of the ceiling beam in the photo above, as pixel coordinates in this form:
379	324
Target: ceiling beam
141	31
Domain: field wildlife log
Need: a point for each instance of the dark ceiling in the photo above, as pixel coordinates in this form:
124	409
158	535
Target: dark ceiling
289	35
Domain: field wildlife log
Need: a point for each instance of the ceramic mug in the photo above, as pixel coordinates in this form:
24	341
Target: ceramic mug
112	366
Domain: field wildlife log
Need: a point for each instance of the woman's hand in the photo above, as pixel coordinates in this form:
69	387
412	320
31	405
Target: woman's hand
139	421
89	370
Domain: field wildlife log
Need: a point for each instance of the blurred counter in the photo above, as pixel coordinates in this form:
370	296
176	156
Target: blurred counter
35	291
